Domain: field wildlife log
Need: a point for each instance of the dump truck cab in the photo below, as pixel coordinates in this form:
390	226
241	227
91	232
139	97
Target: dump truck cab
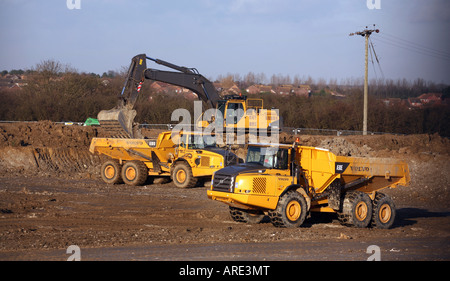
286	182
197	156
257	183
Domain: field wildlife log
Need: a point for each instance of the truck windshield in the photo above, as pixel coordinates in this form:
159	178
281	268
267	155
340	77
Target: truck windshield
200	142
269	157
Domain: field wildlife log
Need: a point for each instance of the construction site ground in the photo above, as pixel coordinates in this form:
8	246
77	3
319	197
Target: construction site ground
52	197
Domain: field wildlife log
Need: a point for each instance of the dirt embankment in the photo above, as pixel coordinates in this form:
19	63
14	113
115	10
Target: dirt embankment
32	145
46	148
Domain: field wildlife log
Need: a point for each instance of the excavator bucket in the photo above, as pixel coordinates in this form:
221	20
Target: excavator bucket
117	122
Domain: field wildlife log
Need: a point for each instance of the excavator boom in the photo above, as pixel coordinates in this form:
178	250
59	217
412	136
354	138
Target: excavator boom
195	82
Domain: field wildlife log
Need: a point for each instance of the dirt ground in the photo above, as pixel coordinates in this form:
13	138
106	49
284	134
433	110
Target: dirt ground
51	197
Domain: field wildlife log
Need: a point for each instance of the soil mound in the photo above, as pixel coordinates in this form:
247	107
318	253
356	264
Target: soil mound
55	149
45	134
341	146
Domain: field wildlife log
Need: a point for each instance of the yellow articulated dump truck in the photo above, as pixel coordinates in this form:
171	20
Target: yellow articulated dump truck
185	157
286	182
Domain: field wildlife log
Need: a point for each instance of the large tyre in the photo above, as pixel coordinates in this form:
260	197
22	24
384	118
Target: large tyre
134	173
291	210
383	214
356	209
182	176
110	172
246	216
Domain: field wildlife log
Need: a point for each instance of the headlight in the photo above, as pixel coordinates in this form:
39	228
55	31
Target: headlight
212	180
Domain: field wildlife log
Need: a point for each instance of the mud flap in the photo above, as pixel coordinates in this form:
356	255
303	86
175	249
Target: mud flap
334	198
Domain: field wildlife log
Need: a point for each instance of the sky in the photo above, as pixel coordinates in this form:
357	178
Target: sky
288	37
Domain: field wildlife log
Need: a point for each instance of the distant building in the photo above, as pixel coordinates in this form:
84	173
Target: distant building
259	89
165	88
302	91
430	98
425	100
414	103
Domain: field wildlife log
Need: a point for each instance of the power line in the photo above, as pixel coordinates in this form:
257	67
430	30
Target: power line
376	57
412	48
415	44
371	59
416	48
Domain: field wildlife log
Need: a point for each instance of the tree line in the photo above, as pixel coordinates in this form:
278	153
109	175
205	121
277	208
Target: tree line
59	93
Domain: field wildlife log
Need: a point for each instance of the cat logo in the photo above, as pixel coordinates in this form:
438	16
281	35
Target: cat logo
340	167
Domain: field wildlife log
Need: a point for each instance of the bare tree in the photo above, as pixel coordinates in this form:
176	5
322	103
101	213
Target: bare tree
49	68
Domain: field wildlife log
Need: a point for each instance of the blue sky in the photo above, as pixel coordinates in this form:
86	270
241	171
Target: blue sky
295	37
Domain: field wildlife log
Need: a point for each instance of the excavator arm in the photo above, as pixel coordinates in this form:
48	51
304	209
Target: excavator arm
118	122
195	82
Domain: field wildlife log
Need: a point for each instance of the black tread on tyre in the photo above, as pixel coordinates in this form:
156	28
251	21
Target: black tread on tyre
111	172
291	210
182	176
134	173
356	209
383	213
246	216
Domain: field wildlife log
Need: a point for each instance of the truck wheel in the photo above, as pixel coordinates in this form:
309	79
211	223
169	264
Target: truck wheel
247	216
356	209
383	215
110	172
134	173
291	210
182	176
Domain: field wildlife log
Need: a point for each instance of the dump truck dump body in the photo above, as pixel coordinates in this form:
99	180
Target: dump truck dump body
319	175
178	157
145	150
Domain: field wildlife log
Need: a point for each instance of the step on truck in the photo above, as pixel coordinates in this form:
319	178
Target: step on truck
185	158
287	182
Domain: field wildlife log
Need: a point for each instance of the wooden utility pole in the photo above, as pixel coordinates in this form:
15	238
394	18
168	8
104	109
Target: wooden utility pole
366	33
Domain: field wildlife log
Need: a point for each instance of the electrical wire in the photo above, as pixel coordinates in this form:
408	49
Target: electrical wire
415	44
376	57
411	47
371	59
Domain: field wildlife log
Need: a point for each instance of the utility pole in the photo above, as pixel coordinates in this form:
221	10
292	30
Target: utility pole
366	33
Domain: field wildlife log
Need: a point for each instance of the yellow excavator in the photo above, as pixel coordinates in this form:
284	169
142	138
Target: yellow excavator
232	112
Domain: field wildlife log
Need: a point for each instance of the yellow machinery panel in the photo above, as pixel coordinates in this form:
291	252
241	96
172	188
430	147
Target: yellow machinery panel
260	187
